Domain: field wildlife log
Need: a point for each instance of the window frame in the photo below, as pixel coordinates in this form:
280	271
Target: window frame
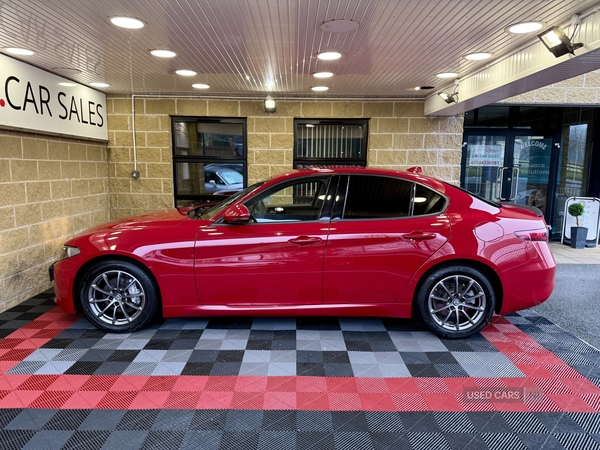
337	162
195	159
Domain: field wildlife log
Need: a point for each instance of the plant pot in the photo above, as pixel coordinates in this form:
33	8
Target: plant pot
578	237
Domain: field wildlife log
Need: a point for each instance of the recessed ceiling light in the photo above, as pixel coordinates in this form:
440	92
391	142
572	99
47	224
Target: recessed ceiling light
200	86
339	26
323	74
447	75
99	85
524	27
68	84
130	23
478	56
185	73
329	56
320	88
19	51
163	53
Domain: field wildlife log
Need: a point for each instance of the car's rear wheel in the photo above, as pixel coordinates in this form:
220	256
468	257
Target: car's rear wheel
118	296
456	301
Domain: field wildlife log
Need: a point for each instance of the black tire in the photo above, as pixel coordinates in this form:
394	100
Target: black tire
118	296
456	302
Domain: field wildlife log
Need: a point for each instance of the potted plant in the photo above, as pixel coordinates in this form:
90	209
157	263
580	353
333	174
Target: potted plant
578	234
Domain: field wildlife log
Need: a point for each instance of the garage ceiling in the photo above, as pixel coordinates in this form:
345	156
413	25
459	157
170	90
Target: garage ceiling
250	48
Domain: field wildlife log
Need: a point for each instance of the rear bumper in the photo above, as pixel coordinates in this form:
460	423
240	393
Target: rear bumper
530	284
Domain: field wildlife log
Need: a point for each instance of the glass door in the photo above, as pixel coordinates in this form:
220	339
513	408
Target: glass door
531	166
485	154
508	166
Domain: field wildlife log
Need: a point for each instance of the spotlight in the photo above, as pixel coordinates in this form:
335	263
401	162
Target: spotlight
449	98
558	42
270	105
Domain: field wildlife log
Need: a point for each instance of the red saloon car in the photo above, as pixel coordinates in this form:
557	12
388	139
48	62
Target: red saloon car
346	241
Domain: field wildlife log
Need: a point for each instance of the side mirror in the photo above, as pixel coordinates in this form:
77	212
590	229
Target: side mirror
236	214
212	182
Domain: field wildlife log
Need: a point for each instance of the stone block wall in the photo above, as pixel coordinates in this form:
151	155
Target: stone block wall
50	189
400	136
577	91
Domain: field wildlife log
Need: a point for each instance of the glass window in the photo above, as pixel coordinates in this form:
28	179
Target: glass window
370	197
330	143
209	159
427	201
493	116
292	202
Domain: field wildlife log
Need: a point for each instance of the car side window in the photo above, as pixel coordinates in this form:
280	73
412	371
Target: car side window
427	201
375	197
292	202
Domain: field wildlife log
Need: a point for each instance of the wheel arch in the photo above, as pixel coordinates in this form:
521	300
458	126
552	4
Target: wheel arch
112	257
486	270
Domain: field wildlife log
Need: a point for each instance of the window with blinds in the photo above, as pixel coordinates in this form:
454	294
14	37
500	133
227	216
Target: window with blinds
326	143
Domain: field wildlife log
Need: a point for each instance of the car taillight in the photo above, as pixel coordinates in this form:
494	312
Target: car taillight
533	235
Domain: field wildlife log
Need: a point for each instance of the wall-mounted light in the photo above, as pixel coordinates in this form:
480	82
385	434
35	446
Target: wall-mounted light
449	98
558	42
270	105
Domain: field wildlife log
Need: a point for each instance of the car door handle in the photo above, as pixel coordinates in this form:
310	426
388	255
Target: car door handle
305	240
418	236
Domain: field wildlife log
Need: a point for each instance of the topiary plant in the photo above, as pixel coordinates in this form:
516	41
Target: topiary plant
576	210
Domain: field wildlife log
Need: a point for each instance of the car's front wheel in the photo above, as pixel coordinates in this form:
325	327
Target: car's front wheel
456	301
118	296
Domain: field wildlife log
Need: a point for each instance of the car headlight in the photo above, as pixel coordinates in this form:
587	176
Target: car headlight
70	251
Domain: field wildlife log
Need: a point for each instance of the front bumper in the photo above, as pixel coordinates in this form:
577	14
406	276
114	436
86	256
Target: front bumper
63	274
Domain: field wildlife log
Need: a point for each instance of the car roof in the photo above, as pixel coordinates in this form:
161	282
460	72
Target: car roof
412	174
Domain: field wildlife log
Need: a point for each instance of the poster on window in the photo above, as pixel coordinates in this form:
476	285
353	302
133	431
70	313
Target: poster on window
539	151
485	155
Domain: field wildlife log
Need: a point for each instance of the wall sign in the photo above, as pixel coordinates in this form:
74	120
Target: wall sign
33	99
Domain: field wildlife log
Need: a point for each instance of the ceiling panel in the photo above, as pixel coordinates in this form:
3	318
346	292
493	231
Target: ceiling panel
239	47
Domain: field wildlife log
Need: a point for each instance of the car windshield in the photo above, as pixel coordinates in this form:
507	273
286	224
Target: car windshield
231	177
212	212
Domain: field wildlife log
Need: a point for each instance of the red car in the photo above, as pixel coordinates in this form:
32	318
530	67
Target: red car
346	241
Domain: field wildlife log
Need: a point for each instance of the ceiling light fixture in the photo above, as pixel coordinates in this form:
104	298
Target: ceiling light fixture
478	56
558	42
131	23
163	53
185	72
524	27
320	88
270	105
99	84
447	75
200	86
19	51
68	84
339	26
323	74
329	56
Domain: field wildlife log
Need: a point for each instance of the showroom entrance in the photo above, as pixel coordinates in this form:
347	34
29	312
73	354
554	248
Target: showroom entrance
510	166
532	155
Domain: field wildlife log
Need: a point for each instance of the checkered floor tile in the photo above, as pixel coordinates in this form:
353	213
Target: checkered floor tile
293	383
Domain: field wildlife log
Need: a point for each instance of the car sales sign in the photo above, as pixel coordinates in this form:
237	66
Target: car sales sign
36	100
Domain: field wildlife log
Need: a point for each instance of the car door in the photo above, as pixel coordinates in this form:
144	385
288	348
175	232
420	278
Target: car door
275	259
389	227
